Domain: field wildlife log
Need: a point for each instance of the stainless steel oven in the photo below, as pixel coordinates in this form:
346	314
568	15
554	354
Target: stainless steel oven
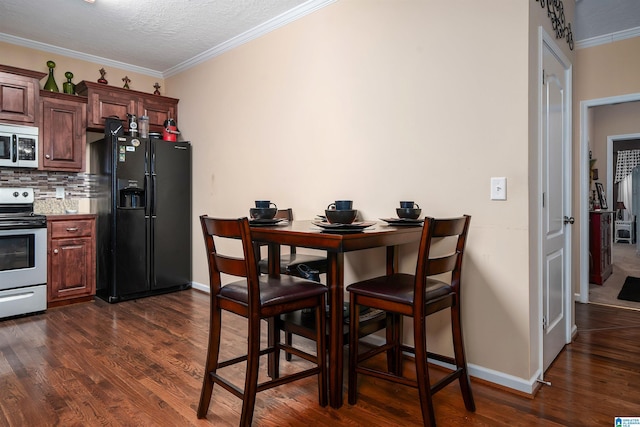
23	254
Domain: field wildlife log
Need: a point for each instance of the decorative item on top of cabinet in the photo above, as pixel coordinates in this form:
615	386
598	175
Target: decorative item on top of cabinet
50	84
107	101
600	267
68	86
63	136
72	259
102	80
19	95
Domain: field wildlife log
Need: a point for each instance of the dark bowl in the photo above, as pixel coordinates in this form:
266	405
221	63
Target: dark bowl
263	213
341	217
411	213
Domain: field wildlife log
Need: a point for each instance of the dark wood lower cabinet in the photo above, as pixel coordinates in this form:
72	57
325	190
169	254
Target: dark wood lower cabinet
72	259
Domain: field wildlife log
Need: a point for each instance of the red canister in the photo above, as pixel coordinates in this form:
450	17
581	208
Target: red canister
170	131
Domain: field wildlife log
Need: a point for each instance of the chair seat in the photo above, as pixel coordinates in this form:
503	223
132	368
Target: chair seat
274	291
289	263
399	288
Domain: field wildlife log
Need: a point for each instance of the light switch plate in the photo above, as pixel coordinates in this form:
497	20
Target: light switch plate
59	192
499	188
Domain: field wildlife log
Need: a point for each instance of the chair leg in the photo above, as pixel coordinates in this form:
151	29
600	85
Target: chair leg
211	364
288	338
251	379
422	371
321	351
461	361
354	330
394	335
273	340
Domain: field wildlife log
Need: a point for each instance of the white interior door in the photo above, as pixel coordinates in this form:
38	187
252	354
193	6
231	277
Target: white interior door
556	165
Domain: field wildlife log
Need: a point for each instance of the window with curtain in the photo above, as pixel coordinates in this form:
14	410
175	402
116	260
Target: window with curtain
627	160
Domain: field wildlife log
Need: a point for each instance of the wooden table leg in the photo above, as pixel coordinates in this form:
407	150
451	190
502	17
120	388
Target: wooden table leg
335	283
274	269
394	321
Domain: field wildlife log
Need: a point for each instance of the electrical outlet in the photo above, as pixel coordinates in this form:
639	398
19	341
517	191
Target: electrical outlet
498	188
59	192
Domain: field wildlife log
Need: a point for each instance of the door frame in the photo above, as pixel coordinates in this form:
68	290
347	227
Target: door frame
583	201
545	39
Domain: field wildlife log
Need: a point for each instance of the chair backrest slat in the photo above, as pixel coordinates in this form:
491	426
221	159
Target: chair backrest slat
451	262
229	264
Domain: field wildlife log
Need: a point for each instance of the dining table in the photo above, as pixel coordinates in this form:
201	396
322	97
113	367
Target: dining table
336	242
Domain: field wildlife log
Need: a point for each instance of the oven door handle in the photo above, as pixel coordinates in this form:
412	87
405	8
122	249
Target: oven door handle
14	143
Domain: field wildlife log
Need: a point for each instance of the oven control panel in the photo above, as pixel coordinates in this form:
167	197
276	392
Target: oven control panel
15	195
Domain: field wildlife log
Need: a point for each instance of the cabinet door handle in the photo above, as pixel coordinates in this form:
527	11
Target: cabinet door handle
46	156
55	251
72	229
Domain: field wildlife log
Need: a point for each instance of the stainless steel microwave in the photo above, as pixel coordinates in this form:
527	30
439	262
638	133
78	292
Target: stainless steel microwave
18	146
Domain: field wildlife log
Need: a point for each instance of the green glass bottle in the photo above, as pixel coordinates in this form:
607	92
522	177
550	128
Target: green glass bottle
68	86
51	85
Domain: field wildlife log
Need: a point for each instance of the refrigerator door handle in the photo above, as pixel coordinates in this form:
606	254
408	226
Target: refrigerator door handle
154	194
147	201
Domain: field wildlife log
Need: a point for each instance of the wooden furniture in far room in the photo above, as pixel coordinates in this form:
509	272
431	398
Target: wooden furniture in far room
106	101
63	136
625	232
71	271
600	267
19	95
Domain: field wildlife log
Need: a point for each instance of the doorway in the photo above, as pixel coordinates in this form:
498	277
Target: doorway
584	192
621	153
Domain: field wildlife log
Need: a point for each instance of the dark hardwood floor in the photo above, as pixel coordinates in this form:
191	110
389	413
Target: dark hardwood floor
139	363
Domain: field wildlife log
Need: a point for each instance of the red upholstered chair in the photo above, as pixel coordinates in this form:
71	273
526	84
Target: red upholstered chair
256	298
417	296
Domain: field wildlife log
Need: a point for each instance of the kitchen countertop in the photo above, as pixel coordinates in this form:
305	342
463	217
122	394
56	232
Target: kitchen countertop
61	206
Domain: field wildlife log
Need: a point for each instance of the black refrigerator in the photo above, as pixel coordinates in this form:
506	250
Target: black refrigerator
142	198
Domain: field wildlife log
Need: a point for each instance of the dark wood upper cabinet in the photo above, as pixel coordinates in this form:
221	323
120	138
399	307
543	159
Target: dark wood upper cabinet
63	137
19	95
108	101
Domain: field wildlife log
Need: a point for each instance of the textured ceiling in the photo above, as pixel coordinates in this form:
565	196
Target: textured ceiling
596	18
161	37
153	34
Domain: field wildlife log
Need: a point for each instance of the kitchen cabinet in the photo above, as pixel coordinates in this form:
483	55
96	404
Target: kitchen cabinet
71	259
107	101
600	267
19	95
63	137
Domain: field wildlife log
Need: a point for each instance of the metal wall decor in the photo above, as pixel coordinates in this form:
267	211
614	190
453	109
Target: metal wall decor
555	12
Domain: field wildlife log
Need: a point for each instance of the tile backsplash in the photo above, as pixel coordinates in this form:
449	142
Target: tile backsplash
44	183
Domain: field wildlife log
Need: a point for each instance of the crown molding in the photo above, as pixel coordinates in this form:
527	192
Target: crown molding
78	55
608	38
262	29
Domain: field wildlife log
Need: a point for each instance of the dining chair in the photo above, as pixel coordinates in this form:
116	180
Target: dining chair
256	298
417	296
289	262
